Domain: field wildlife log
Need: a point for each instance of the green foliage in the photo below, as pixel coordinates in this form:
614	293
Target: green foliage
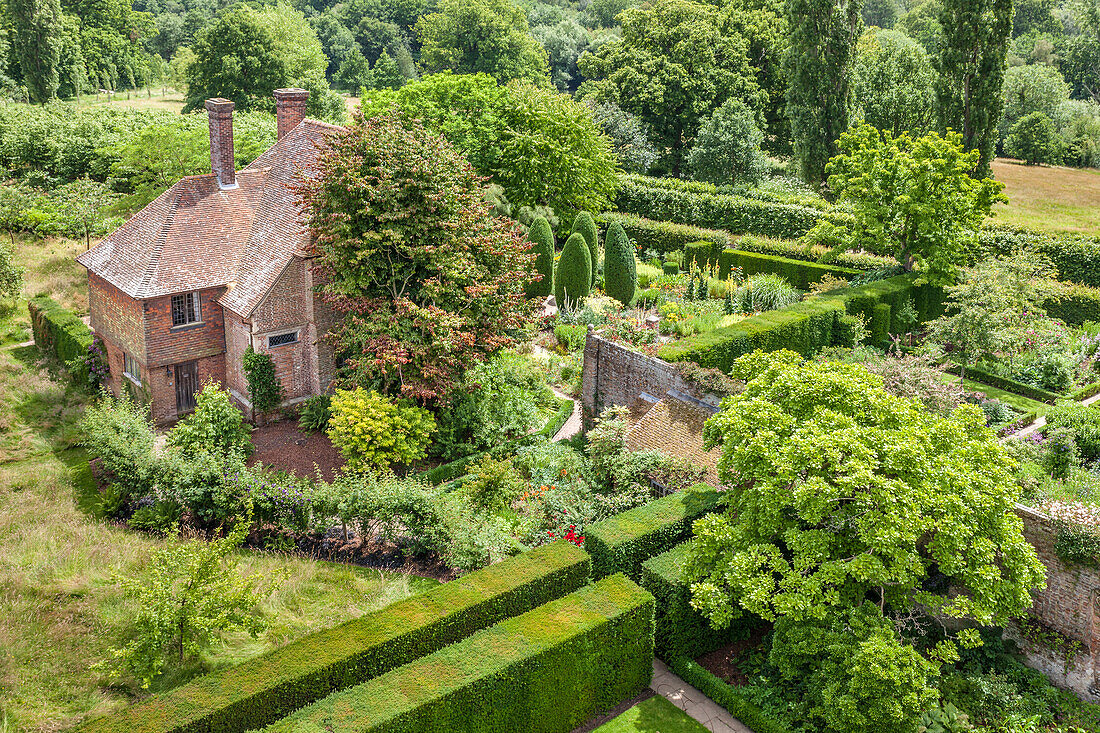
628	137
798	273
623	542
192	594
727	149
855	672
1083	421
731	698
909	495
119	432
944	719
374	432
677	62
1078	544
1029	89
820	64
486	36
262	690
894	83
216	427
510	677
265	391
315	414
493	485
913	198
1034	140
161	518
58	331
971	68
11	273
573	278
37	45
1061	455
765	291
427	282
619	274
543	239
585	225
541	146
571	338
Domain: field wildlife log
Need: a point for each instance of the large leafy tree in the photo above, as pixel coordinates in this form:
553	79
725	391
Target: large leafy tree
676	62
820	62
541	146
481	36
1028	89
1080	61
895	83
841	493
971	68
913	198
425	281
37	45
111	35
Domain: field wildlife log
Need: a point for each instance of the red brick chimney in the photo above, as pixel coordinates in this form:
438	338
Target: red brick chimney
221	141
290	109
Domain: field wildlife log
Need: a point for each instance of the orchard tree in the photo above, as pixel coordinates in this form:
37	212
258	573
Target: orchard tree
1034	140
37	45
895	84
820	62
971	69
85	204
481	36
14	201
674	65
842	495
425	281
727	149
913	198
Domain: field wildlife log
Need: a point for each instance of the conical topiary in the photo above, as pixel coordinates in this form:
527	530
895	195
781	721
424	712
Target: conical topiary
620	277
585	225
543	248
573	278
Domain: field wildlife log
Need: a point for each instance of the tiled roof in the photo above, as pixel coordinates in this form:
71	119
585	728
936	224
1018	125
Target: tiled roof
674	427
197	236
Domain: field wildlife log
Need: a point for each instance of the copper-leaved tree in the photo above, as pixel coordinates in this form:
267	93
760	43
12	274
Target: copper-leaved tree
424	281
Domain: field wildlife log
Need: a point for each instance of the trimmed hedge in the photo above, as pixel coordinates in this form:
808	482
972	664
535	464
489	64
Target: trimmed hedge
702	254
1079	303
680	630
1008	385
725	695
547	671
57	331
811	324
798	273
263	690
620	544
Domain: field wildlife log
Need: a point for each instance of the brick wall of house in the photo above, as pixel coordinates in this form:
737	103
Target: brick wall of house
162	385
118	319
614	375
285	309
322	319
237	338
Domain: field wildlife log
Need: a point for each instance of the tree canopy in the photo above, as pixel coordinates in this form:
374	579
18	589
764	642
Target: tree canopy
895	84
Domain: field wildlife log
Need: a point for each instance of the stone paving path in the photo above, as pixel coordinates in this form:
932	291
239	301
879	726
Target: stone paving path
713	716
572	426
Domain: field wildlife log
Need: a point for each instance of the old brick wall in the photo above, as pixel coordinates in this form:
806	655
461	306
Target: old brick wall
162	385
614	375
118	319
237	338
321	319
286	309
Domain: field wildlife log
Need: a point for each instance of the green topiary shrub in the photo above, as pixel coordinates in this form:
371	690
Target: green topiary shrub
671	267
573	279
549	670
585	225
699	254
620	276
262	690
543	239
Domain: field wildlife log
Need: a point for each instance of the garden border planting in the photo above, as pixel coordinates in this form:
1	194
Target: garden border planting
266	688
546	671
623	542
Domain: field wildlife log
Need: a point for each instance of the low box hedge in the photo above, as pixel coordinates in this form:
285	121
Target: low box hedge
262	690
1008	385
799	273
57	330
547	671
725	695
620	544
680	630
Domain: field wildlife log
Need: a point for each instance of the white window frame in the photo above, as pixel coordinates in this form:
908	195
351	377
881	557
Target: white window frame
128	362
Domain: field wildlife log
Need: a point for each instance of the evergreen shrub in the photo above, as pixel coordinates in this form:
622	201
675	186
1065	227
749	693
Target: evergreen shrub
585	225
573	279
619	271
543	238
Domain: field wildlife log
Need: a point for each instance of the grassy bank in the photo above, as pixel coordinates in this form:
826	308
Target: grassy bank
1050	199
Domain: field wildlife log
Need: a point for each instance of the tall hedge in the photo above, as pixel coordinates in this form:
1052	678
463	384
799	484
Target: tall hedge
573	278
262	690
585	225
620	277
547	671
57	330
799	273
543	239
702	254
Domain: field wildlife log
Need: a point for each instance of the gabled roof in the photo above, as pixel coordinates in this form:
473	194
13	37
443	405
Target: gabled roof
196	235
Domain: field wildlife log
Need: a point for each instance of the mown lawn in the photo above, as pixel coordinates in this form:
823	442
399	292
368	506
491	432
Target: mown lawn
1051	199
655	715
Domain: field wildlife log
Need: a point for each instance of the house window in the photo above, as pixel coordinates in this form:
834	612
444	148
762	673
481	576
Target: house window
186	309
131	367
282	339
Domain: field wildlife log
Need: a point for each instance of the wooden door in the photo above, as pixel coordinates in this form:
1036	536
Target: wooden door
187	384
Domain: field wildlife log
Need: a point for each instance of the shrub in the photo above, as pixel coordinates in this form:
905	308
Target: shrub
766	292
700	255
1083	421
620	276
263	689
543	239
1033	139
216	427
57	331
573	278
799	273
91	370
550	669
623	542
265	391
11	274
374	432
316	412
120	434
671	267
585	225
571	338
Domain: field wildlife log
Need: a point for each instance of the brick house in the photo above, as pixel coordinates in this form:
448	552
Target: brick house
217	263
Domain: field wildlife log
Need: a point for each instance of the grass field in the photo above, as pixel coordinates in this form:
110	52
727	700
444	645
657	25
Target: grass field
60	610
655	715
1052	199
